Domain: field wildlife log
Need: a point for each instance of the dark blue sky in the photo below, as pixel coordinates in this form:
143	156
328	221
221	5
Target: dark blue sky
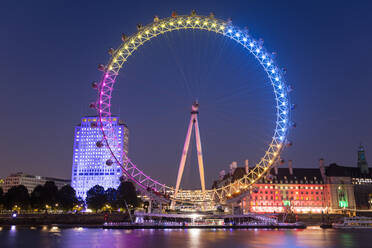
49	53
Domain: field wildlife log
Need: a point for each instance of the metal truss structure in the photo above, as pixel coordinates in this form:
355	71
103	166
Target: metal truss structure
153	188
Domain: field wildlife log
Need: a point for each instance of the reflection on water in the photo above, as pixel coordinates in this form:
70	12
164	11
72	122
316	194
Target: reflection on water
94	238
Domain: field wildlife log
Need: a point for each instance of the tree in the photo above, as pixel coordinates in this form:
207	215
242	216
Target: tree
50	192
1	198
37	200
111	197
126	193
67	198
96	198
17	196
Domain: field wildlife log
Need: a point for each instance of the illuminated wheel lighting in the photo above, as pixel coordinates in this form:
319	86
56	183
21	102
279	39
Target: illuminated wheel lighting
131	44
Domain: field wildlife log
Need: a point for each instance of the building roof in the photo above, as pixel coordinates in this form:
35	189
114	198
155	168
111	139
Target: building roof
300	175
335	170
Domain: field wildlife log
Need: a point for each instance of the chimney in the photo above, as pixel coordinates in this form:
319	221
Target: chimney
246	166
276	169
222	174
290	167
322	168
233	166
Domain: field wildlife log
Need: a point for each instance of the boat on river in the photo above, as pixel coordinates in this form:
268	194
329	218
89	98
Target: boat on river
357	222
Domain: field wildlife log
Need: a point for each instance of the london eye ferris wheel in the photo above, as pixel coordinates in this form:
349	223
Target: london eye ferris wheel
130	45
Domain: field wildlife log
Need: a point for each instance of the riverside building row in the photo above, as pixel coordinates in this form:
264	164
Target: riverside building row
327	189
30	181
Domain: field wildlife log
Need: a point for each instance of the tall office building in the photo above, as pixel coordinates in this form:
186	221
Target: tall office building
89	166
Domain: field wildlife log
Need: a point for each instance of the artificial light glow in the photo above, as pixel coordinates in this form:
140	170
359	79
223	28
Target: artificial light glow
126	47
254	47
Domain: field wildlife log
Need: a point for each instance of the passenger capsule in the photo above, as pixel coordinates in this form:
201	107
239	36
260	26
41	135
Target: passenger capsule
293	124
94	85
274	55
193	12
99	144
260	42
92	105
139	26
246	30
111	51
174	14
289	143
284	70
156	19
282	161
123	37
293	106
211	15
101	67
109	162
93	124
229	20
290	88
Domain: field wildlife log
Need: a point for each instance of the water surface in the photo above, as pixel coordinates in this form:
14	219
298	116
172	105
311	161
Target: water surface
23	237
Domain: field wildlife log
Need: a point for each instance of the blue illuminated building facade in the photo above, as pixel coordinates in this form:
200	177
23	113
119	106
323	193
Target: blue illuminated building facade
89	166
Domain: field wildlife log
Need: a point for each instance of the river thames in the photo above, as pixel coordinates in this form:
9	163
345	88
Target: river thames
23	237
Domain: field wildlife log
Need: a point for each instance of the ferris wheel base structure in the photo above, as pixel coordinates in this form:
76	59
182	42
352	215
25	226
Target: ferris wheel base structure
153	188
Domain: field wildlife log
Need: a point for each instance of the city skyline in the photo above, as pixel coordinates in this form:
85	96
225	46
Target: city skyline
329	124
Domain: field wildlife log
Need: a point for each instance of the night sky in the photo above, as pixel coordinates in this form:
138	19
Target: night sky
50	50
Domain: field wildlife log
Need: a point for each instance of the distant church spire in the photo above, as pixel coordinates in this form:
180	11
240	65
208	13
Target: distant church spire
362	162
